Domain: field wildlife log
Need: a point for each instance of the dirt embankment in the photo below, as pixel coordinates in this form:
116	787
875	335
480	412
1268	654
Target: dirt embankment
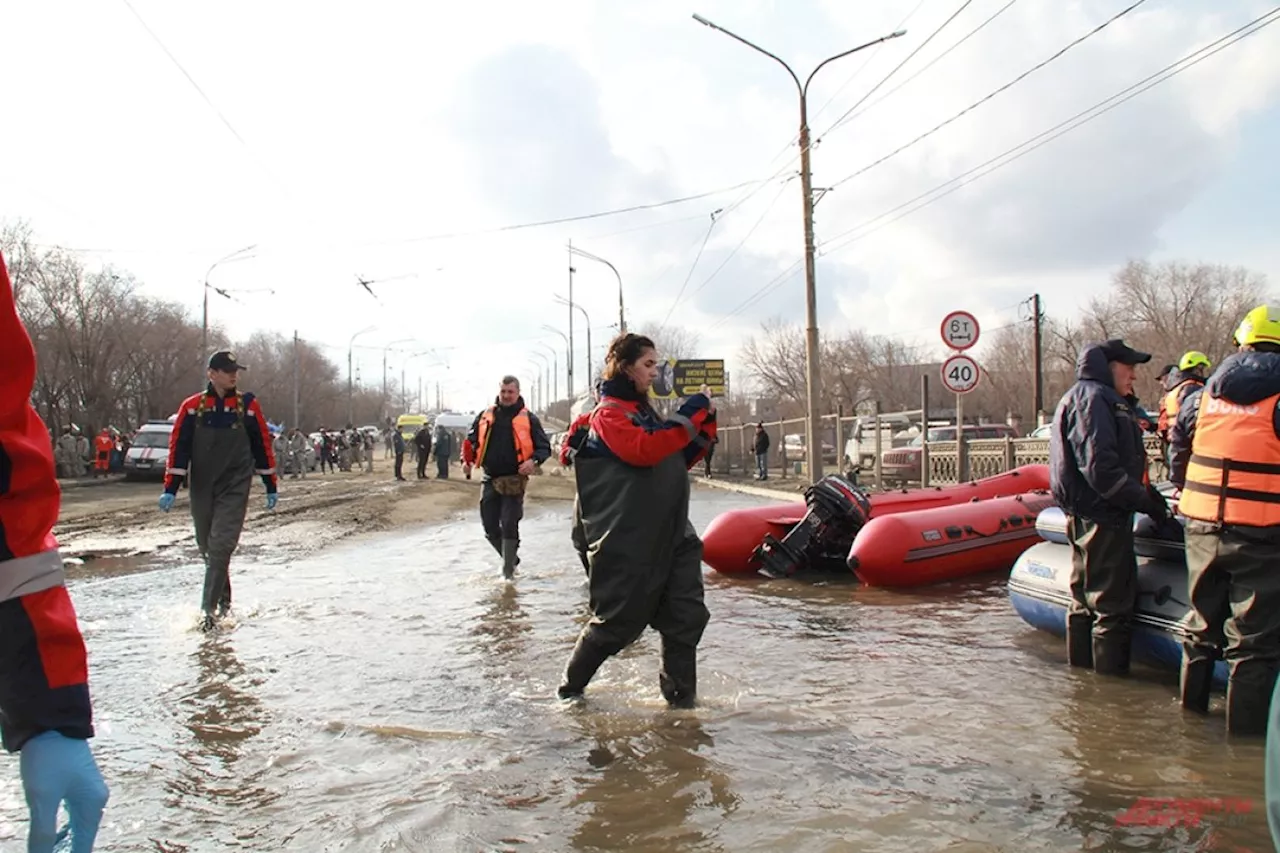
121	519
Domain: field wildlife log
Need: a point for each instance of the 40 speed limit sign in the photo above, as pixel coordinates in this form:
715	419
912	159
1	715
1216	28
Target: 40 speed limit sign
960	374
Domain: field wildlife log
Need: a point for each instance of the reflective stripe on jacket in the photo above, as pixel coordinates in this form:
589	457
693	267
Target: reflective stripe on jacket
1233	476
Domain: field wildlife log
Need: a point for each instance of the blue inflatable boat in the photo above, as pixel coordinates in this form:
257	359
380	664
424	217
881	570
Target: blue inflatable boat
1040	588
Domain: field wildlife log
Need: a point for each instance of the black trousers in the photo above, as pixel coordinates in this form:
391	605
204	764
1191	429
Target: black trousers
442	467
500	514
400	465
422	465
1104	575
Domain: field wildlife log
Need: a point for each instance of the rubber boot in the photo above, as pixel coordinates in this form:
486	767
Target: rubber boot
678	678
509	558
1111	654
496	542
1195	683
224	603
583	663
1080	640
1249	698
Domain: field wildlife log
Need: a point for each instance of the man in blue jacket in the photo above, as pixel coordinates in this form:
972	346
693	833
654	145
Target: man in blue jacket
1097	471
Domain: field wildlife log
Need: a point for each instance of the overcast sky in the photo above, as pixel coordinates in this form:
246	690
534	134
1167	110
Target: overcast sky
393	139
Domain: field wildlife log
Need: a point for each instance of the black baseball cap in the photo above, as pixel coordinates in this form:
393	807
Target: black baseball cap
1166	370
224	360
1117	350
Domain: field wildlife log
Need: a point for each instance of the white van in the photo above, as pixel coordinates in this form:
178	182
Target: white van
149	454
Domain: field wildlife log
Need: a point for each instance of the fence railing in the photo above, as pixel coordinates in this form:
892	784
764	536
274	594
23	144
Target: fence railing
941	461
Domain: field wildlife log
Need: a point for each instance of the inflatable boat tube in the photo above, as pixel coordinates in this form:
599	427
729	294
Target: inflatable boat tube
945	543
1040	592
732	537
1162	542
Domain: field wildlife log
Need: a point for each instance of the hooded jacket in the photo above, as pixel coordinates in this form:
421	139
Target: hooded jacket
1243	378
1096	455
43	666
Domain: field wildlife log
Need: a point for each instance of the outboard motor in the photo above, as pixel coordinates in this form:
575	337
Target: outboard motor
837	511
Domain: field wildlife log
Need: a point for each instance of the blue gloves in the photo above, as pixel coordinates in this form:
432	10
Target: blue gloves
696	403
271	500
57	768
166	502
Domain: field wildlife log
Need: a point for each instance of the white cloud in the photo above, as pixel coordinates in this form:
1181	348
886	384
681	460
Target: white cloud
367	130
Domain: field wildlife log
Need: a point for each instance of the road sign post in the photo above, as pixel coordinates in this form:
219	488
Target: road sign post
960	375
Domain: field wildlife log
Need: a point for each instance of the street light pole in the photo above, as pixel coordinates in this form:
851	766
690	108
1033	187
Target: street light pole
571	319
351	416
622	318
813	427
555	371
569	352
545	378
587	318
204	325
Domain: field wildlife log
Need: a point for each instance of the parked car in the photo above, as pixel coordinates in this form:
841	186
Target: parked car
149	453
903	463
310	460
793	449
1041	431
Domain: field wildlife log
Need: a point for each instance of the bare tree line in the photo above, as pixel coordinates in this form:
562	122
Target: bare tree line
1165	309
108	355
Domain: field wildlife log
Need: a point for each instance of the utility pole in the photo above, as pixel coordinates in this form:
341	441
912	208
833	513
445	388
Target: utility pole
570	319
813	378
295	379
1038	359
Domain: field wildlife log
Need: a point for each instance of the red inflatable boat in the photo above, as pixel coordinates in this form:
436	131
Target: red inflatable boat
944	543
730	539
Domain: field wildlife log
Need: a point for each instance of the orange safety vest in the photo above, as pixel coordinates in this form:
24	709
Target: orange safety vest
1173	400
520	427
1234	473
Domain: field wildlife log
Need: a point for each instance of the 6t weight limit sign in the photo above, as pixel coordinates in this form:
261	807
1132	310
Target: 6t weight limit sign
960	374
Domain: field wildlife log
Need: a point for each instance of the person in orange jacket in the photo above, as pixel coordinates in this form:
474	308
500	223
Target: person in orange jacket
45	711
103	444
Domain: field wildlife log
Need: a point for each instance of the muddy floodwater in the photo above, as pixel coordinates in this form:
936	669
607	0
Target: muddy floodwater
394	693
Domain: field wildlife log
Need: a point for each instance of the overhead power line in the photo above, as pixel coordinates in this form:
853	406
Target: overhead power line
896	68
1009	156
973	32
991	95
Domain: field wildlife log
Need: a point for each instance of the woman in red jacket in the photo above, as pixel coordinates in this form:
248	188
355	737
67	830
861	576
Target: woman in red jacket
45	712
633	494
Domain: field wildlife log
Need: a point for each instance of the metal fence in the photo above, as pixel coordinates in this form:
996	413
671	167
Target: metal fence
943	463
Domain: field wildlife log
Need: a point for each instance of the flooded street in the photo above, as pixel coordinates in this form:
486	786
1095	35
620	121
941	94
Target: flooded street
393	693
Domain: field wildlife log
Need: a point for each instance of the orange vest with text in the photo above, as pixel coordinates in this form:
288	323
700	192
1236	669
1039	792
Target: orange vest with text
1234	473
520	427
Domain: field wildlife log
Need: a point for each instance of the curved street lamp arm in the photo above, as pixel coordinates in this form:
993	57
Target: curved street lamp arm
755	47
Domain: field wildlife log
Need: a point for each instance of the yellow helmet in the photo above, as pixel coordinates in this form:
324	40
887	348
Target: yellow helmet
1194	359
1261	325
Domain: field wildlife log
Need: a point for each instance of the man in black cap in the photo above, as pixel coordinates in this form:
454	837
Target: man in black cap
220	439
1098	474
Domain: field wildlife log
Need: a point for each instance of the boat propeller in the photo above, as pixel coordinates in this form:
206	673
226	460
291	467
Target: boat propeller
837	511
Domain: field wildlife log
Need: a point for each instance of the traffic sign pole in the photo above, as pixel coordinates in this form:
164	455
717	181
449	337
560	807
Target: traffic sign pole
960	374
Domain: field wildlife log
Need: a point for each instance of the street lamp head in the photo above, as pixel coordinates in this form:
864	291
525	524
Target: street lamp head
703	21
895	34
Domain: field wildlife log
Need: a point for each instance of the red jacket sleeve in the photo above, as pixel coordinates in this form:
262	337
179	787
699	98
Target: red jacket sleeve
180	438
637	446
264	455
29	493
573	438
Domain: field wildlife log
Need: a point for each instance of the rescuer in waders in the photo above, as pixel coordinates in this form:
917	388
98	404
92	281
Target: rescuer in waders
45	711
1230	498
506	441
645	557
1098	475
220	439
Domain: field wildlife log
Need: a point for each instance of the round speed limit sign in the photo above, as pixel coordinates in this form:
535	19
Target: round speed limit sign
960	374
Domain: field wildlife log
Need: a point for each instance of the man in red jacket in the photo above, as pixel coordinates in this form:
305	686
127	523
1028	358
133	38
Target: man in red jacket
45	711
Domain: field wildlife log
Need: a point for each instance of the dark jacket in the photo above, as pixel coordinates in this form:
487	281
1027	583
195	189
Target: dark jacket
761	442
422	438
1243	378
1096	456
500	454
236	410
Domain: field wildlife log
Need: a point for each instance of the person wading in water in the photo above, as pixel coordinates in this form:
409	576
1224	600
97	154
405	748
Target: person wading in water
644	557
219	441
